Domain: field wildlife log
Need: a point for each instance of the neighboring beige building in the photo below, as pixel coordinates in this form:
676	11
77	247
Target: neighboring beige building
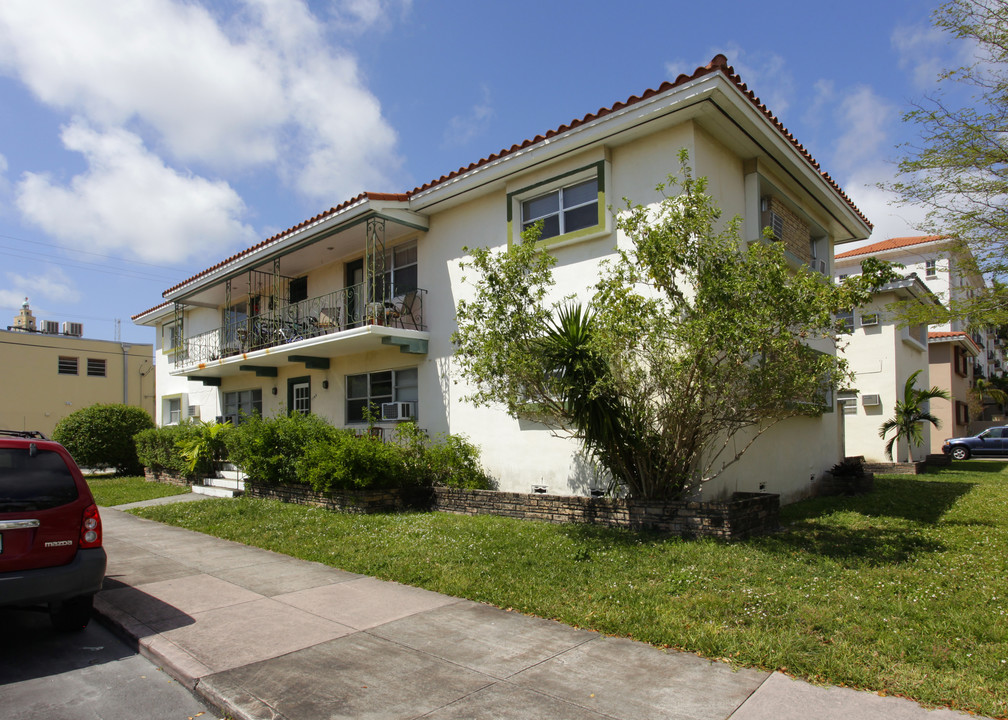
883	356
48	372
356	306
953	355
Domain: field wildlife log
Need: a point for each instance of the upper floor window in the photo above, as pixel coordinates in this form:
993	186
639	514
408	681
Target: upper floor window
67	365
570	206
564	210
170	338
845	320
931	268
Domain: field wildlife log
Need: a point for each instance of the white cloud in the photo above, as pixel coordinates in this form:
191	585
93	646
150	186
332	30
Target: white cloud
889	219
130	203
54	286
260	89
361	15
865	120
463	128
926	50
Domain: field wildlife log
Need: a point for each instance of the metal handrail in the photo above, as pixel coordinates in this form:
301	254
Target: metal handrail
312	317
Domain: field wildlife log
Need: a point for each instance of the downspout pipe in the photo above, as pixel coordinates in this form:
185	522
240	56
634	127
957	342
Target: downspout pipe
125	351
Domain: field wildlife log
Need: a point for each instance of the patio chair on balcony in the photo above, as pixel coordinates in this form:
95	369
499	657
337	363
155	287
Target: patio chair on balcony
405	308
330	319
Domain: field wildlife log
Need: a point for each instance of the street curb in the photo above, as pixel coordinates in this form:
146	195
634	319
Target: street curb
120	624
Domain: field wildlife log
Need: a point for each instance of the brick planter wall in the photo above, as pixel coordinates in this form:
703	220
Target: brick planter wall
746	514
830	484
358	501
163	477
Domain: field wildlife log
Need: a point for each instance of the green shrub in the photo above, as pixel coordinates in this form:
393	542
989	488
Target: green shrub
446	461
205	448
307	450
101	436
270	451
160	448
354	463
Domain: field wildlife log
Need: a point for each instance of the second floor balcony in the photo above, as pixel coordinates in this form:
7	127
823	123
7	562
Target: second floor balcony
346	320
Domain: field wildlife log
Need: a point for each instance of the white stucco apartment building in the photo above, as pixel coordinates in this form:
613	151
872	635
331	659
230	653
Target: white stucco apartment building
955	353
357	305
883	356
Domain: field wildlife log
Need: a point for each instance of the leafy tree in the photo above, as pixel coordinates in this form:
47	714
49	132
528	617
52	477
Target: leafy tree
984	389
909	415
101	436
958	170
691	338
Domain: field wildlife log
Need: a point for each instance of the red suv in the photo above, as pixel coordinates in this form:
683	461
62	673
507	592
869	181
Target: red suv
50	532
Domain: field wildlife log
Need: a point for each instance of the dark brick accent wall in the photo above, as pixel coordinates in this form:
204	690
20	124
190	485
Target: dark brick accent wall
359	501
744	515
163	477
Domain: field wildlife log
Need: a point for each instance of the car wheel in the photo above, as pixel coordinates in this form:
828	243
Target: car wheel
71	615
960	453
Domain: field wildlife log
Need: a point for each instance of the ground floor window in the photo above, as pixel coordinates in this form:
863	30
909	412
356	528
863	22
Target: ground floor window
371	390
173	411
241	404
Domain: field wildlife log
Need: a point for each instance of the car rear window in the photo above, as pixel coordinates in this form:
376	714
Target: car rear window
34	482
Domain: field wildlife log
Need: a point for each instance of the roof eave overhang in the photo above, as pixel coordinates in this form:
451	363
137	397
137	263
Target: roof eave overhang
708	94
361	211
151	318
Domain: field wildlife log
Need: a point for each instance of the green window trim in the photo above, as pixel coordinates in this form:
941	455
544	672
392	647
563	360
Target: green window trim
558	182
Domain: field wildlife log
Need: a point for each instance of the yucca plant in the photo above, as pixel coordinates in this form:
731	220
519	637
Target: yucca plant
910	415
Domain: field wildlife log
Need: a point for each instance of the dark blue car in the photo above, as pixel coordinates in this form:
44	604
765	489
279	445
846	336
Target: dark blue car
992	442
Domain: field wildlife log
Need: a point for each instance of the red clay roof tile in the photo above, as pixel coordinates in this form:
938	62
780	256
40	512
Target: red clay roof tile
890	244
718	64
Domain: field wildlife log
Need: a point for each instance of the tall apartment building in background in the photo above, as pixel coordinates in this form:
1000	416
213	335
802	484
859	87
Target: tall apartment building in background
48	369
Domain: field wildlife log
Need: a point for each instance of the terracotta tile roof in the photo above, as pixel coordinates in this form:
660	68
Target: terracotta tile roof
890	244
718	64
321	216
954	335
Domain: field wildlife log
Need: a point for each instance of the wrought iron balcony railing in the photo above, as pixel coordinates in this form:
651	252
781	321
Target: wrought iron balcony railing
291	322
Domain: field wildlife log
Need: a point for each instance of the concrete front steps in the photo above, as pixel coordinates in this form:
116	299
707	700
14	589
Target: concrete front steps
228	483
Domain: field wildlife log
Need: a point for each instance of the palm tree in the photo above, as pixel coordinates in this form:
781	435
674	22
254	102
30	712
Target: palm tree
910	414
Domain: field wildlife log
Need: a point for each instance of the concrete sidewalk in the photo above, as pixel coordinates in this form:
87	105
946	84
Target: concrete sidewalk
261	635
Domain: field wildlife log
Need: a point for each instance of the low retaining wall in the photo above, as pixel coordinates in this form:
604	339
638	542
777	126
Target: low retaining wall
359	501
163	477
746	514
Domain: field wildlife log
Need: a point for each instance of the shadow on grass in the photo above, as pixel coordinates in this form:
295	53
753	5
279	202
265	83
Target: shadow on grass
895	496
851	546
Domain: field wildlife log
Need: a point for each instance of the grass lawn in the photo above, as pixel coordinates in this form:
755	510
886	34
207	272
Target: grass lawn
904	591
109	490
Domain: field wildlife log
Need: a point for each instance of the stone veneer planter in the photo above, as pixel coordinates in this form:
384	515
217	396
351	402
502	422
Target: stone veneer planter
164	477
356	501
744	515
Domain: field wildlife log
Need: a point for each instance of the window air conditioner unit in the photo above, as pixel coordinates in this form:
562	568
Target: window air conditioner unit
869	319
50	327
192	411
73	329
398	410
870	400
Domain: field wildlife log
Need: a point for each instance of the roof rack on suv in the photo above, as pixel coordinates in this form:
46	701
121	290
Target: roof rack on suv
24	434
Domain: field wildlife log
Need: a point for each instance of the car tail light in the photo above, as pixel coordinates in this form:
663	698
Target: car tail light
91	530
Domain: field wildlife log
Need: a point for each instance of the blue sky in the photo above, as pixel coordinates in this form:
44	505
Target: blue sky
143	141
